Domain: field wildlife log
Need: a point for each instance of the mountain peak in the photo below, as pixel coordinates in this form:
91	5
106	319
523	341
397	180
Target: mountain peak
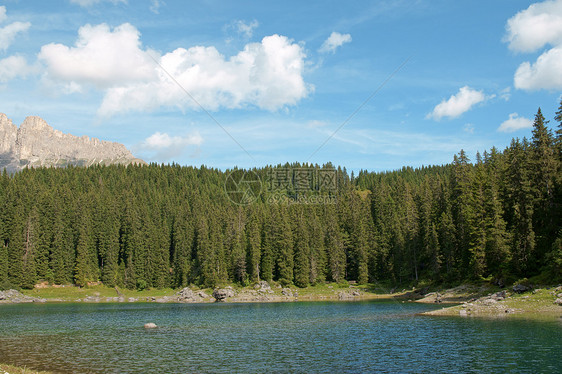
36	144
34	123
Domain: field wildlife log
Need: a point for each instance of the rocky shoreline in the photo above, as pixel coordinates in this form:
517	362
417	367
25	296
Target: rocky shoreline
261	292
471	300
520	300
16	297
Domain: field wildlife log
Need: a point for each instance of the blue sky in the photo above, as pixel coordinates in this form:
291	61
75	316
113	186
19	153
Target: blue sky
282	77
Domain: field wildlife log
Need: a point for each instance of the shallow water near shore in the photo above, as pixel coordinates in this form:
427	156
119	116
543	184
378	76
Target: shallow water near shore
271	337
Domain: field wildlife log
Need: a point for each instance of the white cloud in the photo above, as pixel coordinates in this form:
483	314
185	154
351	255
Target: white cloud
8	33
247	29
155	6
3	16
531	29
13	67
89	3
506	93
267	74
165	147
545	73
457	104
515	123
334	41
536	26
101	56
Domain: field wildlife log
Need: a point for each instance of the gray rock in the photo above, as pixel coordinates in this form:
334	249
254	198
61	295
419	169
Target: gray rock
15	297
342	295
132	299
150	325
186	294
489	301
287	292
558	301
499	295
463	313
263	287
221	294
36	144
519	288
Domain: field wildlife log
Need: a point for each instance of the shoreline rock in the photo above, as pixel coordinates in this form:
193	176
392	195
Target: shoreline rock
16	297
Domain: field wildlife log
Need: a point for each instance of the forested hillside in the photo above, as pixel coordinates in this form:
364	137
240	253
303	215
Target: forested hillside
497	216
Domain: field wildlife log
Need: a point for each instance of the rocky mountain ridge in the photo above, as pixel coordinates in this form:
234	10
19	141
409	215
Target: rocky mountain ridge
36	144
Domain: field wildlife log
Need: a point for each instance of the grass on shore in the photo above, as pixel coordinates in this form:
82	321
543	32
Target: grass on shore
71	293
10	369
538	304
318	291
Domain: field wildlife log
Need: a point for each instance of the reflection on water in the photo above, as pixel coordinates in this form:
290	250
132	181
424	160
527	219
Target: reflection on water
285	337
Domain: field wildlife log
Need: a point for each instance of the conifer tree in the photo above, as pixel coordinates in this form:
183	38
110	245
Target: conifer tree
86	269
520	212
253	240
334	246
301	252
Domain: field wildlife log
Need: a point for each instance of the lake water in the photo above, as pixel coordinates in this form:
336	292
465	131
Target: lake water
335	337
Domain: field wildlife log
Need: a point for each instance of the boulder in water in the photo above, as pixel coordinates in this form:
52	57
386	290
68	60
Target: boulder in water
150	325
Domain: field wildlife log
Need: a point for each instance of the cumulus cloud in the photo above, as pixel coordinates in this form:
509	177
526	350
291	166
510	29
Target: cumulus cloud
545	73
334	41
531	29
9	32
165	147
267	74
89	3
536	26
101	56
457	104
13	67
515	123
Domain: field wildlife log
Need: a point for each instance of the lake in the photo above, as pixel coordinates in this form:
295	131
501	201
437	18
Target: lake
335	337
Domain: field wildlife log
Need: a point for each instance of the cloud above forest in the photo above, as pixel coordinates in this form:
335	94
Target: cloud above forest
266	74
457	104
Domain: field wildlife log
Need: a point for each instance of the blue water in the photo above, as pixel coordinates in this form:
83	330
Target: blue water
309	337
